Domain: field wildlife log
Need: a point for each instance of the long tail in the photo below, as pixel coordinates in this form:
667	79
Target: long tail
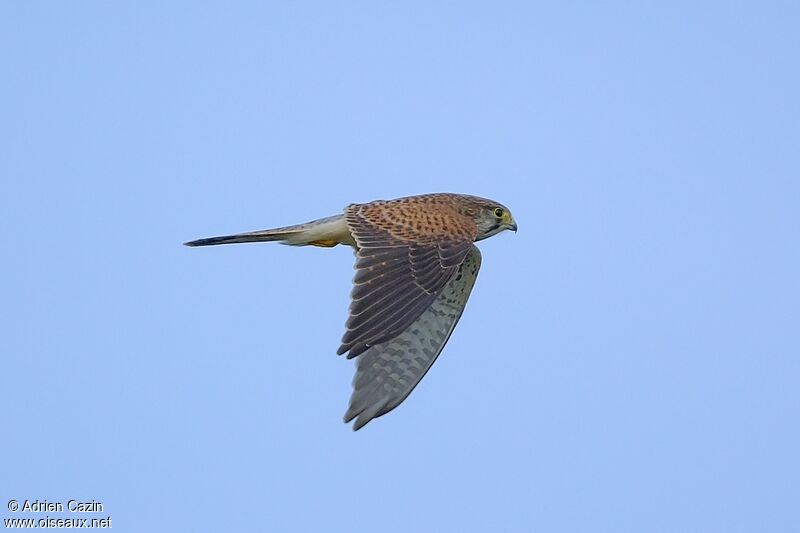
326	232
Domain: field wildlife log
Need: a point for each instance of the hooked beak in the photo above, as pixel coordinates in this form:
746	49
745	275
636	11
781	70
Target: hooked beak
509	222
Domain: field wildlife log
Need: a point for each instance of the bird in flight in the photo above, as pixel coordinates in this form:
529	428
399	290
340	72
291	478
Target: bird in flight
415	267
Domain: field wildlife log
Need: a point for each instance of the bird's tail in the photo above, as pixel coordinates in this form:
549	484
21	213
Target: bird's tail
326	232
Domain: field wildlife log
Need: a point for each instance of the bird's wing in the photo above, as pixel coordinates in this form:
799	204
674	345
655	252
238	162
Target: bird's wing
402	264
386	373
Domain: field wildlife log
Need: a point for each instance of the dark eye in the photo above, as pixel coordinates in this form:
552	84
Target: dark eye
498	212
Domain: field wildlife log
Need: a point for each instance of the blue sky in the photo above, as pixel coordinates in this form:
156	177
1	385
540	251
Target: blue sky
627	362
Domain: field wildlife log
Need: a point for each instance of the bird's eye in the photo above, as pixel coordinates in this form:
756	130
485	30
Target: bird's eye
498	212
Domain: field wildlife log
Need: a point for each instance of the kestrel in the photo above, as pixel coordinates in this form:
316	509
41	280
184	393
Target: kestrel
415	267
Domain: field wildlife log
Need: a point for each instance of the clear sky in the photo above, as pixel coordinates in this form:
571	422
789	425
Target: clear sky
628	362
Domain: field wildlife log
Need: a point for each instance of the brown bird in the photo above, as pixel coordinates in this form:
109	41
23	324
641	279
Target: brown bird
415	267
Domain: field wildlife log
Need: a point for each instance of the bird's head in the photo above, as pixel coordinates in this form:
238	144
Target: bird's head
491	217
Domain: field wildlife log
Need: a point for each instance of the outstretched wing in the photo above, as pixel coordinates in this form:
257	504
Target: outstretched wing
406	255
386	373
